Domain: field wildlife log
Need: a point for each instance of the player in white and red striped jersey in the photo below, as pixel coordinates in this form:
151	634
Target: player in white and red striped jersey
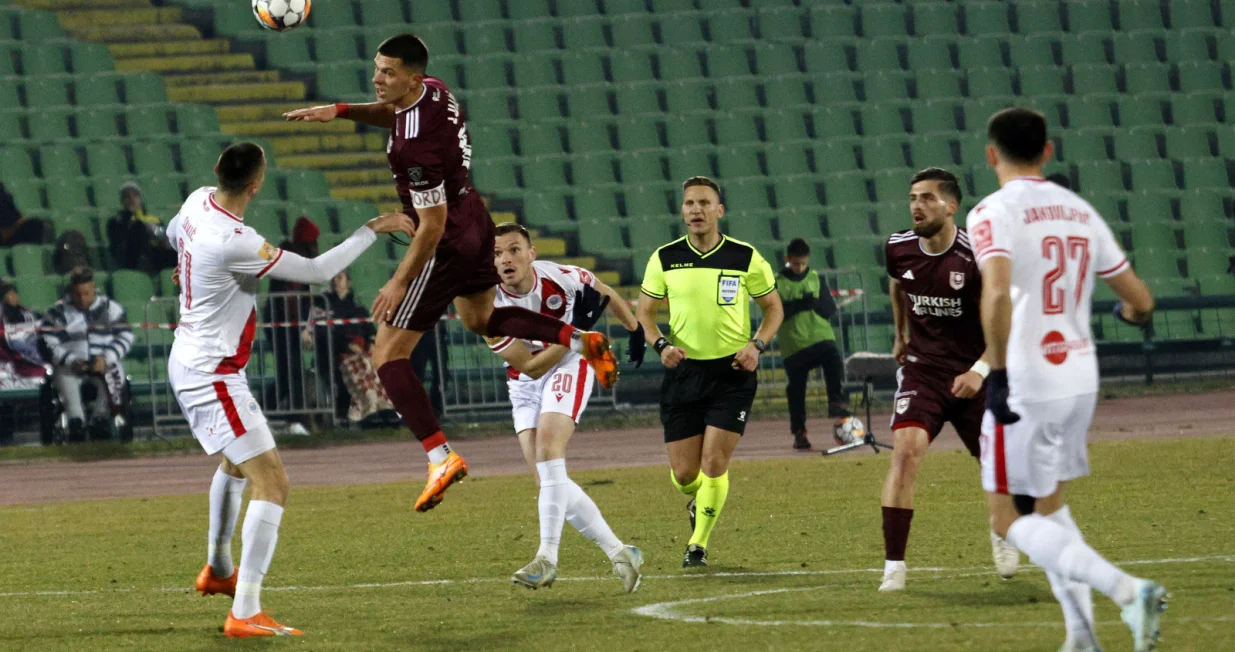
221	261
1040	246
549	389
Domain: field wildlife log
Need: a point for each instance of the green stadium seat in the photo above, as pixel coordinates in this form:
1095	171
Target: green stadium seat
336	14
886	87
1135	47
735	94
987	18
15	165
727	62
782	126
543	103
798	194
27	259
580	8
153	158
632	31
846	189
679	64
835	157
37	290
582	69
1205	174
305	185
738	163
686	163
486	72
1099	177
931	152
1084	49
650	232
147	121
681	29
1207	233
289	50
144	88
1032	51
823	57
1140	113
27	194
51	123
1089	112
1085	145
1095	79
59	161
380	12
1200	76
1089	16
536	36
196	119
879	54
584	137
197	159
132	286
481	40
583	34
591	170
986	83
833	123
973	149
787	160
856	252
10	128
928	54
786	91
1189	46
90	58
1194	111
935	19
637	99
785	23
688	131
637	134
540	140
802	222
1140	14
934	117
631	66
642	167
1154	175
337	82
880	20
1189	14
96	90
1149	208
829	22
544	172
1038	18
1137	144
46	92
472	11
730	27
1147	79
735	129
840	88
337	48
96	124
42	59
69	203
495	175
746	197
35	26
1202	261
892	184
1202	205
748	226
884	152
491	140
596	205
1037	82
939	85
107	158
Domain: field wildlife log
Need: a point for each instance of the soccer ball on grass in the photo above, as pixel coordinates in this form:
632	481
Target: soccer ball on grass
281	15
848	430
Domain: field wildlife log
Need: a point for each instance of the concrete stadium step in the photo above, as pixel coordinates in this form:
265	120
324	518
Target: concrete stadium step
64	5
168	48
334	160
130	17
225	93
358	177
332	143
383	193
214	78
246	112
130	33
282	127
190	63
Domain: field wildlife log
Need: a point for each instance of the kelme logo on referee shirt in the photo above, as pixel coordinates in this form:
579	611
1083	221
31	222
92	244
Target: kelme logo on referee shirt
728	289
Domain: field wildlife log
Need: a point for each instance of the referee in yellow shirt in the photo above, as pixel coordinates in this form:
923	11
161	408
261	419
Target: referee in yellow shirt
709	355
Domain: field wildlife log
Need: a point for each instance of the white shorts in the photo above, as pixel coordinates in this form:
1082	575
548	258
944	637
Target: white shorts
1046	447
565	390
222	413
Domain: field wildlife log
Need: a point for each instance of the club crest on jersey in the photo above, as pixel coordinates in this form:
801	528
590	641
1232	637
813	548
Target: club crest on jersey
553	302
415	174
902	404
727	289
251	406
956	280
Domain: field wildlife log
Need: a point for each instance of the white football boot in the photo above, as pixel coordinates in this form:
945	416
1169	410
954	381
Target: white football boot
539	574
628	567
1144	613
1007	558
893	577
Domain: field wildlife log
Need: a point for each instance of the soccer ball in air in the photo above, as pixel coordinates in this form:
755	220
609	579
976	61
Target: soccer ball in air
848	430
281	15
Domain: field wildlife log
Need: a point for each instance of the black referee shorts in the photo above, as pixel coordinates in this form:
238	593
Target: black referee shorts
701	393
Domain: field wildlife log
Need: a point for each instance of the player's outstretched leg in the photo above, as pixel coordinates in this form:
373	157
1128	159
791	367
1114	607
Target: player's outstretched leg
219	574
392	358
909	447
259	535
1062	551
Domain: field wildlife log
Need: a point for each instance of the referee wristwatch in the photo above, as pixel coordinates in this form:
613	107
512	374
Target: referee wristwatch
759	344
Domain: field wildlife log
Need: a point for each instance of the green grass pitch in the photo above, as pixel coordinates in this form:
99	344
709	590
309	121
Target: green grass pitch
792	564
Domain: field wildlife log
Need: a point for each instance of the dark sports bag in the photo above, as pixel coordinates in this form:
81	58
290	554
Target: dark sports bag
71	251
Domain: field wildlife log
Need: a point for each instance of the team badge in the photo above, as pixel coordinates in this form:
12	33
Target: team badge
728	289
957	280
902	404
251	406
553	302
415	174
267	252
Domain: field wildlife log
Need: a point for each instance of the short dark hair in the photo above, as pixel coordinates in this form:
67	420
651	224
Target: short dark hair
409	49
797	247
948	184
701	181
512	227
1018	134
239	166
80	274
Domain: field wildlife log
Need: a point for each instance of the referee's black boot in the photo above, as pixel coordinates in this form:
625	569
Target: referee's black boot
838	411
800	442
696	556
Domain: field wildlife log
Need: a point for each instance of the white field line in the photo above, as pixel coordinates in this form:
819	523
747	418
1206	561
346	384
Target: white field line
974	570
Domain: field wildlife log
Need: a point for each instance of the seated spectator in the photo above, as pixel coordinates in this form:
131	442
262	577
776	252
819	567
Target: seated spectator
19	346
135	238
14	228
356	383
86	337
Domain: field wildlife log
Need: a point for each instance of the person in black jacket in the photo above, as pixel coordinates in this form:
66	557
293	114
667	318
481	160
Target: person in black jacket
343	351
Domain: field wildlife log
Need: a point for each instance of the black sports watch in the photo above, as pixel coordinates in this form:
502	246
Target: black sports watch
759	344
660	345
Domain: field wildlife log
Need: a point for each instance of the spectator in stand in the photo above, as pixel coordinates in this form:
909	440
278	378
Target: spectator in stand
21	366
86	336
135	238
806	338
289	393
15	229
358	392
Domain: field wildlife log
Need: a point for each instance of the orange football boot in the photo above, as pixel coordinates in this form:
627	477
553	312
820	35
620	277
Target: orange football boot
596	352
453	470
259	625
208	584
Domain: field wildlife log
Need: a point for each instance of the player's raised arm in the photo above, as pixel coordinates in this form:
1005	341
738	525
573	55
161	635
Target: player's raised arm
376	114
253	255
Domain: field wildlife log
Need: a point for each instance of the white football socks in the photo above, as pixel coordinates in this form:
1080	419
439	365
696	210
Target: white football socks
225	497
260	534
1059	550
585	516
1075	598
438	454
555	494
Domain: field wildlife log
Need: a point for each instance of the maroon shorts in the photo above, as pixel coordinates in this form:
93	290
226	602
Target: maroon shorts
924	400
461	265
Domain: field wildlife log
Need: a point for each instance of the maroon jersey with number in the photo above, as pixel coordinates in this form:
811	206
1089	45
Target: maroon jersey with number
942	295
430	155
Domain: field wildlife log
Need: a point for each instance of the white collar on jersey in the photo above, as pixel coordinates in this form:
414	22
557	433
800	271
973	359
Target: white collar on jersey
215	205
424	90
535	286
956	231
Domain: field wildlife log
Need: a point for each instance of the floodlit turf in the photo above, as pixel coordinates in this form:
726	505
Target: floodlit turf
357	569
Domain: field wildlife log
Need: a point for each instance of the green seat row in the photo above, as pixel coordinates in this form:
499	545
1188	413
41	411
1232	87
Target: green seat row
27	25
92	90
108	121
53	58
